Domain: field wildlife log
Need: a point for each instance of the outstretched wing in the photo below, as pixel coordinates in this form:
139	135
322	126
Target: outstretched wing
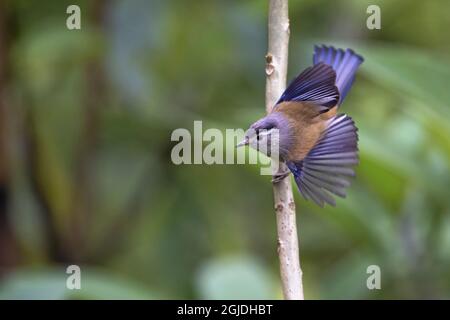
328	167
316	84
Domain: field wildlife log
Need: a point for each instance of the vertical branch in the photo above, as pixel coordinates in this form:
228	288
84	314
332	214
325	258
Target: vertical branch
276	70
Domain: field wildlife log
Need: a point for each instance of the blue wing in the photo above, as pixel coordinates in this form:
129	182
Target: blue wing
328	167
315	84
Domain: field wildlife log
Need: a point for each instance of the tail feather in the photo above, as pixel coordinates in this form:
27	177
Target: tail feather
345	63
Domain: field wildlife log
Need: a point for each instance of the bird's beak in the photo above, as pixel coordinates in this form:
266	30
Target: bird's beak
242	143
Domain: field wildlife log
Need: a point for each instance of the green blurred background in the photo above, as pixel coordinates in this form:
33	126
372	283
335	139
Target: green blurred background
85	170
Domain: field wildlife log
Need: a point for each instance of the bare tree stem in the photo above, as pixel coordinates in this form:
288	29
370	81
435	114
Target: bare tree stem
276	71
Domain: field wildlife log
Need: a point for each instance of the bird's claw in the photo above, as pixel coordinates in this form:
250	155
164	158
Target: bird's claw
279	176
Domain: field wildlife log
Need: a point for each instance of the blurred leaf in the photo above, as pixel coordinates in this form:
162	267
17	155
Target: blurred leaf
238	277
413	72
35	285
347	279
51	284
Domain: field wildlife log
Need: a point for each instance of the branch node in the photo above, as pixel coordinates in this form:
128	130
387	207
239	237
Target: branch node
279	245
269	64
279	207
292	205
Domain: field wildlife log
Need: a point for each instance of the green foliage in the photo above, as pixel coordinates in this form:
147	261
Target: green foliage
51	284
235	278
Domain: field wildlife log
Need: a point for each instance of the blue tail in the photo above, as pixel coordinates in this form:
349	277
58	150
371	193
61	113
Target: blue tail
345	63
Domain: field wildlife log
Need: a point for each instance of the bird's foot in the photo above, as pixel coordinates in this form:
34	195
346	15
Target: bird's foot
280	176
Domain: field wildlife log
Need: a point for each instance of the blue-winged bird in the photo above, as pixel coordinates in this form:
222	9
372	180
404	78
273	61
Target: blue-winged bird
319	146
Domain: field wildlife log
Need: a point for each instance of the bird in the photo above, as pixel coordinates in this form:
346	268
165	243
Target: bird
318	144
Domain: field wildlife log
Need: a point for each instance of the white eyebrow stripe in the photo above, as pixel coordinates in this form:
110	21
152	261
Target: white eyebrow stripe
265	132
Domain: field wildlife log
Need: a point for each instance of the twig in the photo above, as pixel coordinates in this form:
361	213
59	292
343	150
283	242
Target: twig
276	70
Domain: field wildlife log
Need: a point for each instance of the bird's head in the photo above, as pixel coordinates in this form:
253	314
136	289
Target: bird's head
269	133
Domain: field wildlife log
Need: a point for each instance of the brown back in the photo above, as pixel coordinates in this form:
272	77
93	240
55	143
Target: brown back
307	125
